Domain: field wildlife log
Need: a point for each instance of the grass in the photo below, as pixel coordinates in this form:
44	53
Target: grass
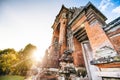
11	77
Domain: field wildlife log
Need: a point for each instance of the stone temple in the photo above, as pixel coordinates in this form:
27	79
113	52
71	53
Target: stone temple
92	43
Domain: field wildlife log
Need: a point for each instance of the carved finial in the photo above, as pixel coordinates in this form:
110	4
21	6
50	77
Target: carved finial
63	5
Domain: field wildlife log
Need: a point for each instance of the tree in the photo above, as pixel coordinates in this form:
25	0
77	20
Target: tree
8	57
12	62
25	56
28	50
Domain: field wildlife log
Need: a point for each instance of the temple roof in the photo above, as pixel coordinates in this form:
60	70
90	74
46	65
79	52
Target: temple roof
62	8
75	12
112	25
85	8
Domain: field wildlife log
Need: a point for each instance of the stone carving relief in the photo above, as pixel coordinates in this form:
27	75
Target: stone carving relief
56	44
70	39
105	51
64	15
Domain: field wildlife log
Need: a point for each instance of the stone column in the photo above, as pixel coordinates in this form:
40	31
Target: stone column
70	39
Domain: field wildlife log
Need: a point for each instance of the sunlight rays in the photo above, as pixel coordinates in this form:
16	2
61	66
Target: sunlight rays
37	55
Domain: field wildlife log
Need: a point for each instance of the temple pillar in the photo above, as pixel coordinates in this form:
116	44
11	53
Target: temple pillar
62	35
100	43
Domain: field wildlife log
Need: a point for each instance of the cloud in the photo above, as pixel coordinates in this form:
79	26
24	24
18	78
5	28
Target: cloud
116	10
104	4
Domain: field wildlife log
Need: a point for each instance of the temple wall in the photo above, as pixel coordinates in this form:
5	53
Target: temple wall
91	22
56	33
77	54
115	39
100	43
94	34
77	25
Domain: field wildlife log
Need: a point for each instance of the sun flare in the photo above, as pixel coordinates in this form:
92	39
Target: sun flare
37	55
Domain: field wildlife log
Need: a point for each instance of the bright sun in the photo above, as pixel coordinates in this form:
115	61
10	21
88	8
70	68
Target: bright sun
37	55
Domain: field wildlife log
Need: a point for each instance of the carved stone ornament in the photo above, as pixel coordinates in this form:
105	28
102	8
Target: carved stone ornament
64	15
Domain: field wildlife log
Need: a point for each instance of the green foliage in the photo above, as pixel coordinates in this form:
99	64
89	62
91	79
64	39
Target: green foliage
5	51
28	50
17	63
11	78
26	62
8	57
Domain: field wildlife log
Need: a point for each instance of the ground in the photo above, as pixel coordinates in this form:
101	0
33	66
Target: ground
8	77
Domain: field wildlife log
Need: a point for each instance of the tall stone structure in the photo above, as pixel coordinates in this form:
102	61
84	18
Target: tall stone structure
74	27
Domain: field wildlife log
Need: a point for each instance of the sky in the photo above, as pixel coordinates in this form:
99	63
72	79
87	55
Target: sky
29	21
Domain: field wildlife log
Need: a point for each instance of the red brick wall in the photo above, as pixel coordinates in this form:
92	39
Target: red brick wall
75	26
62	35
98	39
116	43
77	54
95	34
115	39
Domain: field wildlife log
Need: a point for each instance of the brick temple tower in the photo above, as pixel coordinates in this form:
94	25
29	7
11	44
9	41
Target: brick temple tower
84	31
